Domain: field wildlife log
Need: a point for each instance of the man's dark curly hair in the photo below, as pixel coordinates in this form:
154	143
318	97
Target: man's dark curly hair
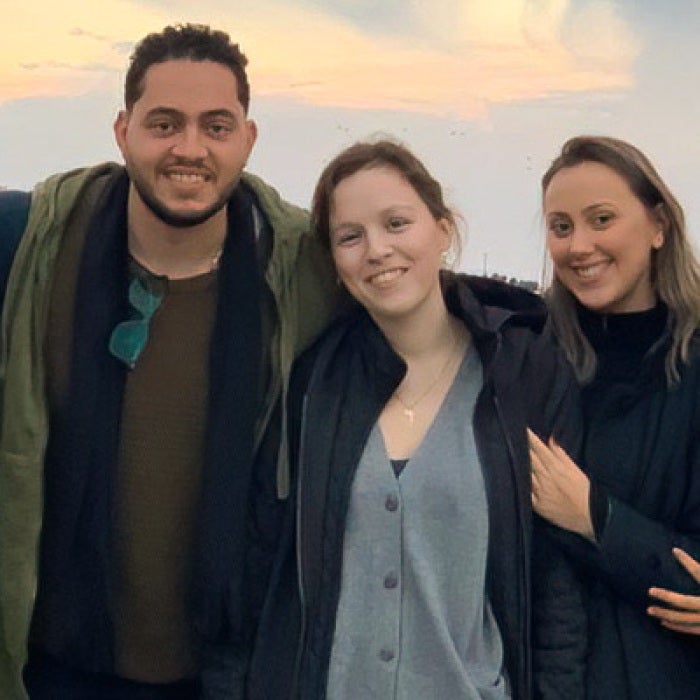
193	42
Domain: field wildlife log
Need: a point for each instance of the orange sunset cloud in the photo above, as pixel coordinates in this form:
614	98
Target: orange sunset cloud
456	58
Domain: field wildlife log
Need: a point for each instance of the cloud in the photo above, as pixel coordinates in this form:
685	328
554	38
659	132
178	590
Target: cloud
123	48
371	17
72	67
119	47
454	58
68	48
599	37
77	31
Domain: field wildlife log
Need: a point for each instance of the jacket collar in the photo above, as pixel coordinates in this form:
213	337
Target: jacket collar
486	305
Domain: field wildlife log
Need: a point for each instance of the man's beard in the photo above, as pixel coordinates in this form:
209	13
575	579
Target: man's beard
180	219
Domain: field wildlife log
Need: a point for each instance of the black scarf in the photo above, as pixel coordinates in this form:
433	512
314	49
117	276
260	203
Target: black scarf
77	556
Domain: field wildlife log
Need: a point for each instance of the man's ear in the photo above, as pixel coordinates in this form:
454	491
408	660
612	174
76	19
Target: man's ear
121	124
252	129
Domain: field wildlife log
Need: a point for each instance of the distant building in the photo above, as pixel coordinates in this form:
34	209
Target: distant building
530	285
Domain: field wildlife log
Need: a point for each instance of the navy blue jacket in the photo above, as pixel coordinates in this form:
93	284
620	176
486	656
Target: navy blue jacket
642	444
14	209
353	371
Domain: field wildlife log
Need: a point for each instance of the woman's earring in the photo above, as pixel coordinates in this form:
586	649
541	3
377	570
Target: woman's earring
447	258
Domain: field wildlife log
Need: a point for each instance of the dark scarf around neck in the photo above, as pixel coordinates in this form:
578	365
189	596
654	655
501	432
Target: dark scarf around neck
78	567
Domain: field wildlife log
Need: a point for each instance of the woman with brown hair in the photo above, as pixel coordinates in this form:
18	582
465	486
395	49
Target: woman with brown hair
408	570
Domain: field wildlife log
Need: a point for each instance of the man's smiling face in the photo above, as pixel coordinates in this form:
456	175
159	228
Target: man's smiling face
186	140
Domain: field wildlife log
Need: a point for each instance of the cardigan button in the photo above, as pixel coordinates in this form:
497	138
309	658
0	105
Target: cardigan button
391	503
386	655
391	580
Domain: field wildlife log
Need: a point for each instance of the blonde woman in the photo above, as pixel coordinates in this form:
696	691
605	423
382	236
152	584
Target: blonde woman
625	305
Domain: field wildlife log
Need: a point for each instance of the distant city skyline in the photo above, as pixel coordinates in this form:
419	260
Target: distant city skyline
484	91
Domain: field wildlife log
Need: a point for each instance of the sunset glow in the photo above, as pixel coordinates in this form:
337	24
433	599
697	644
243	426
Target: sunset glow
466	56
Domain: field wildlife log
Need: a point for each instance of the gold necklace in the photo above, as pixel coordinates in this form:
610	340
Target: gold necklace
216	259
409	409
212	261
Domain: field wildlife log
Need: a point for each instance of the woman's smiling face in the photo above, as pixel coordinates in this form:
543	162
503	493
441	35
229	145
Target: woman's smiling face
601	237
386	244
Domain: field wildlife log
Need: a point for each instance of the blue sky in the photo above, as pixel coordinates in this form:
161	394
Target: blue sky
485	91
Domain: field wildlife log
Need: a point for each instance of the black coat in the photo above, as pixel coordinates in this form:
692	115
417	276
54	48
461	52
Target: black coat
642	445
338	394
14	210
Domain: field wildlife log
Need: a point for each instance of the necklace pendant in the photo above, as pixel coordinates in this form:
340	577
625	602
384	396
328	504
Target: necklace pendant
410	414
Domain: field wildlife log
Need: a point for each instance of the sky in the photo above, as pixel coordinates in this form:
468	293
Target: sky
484	91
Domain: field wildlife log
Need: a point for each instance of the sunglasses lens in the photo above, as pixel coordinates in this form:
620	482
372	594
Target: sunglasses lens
128	340
143	298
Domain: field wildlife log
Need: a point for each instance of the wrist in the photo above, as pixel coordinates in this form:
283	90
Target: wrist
584	525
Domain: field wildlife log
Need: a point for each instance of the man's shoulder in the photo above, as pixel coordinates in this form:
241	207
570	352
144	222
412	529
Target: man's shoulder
55	198
70	183
50	202
282	215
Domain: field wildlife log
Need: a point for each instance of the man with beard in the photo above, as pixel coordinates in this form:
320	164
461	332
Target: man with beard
151	316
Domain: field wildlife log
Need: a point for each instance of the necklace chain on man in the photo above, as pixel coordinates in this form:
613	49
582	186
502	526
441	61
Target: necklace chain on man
409	409
213	260
216	259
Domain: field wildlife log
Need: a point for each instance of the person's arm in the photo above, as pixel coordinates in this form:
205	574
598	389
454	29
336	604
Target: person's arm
14	210
560	625
224	669
632	552
560	489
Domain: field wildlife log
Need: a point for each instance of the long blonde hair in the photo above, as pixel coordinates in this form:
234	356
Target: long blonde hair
675	272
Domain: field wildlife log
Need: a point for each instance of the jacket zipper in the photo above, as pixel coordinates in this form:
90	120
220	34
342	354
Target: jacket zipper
300	573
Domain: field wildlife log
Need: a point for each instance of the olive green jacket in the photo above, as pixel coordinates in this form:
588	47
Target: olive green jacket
301	281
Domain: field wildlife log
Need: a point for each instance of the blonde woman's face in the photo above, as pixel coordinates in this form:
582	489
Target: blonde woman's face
601	237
